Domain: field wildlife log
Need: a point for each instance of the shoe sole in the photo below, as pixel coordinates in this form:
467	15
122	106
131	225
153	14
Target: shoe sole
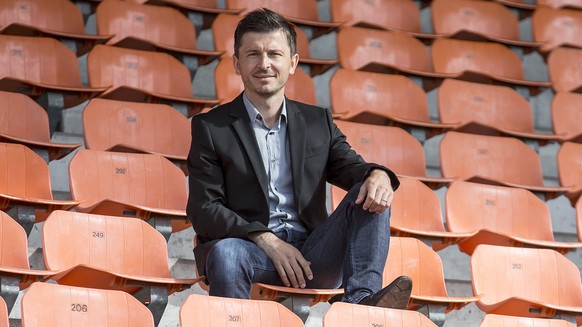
398	294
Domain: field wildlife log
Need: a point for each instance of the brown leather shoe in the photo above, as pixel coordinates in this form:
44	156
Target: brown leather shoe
394	296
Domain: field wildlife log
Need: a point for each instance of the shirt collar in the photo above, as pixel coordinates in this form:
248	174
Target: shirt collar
254	114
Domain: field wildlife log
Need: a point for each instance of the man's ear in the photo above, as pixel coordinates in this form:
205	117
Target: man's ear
294	63
236	65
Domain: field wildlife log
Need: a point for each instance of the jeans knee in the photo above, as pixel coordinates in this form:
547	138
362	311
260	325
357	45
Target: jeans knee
226	259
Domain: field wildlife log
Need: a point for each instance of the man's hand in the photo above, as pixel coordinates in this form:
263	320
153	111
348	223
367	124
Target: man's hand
289	262
376	193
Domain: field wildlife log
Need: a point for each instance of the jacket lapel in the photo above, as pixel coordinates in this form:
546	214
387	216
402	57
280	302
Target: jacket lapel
296	135
242	126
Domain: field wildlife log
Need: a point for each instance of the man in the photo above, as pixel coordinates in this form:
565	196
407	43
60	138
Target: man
258	169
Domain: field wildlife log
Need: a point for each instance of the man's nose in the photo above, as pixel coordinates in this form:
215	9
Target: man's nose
265	62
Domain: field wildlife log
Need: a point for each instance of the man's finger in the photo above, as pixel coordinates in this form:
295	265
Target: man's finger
282	275
291	275
362	194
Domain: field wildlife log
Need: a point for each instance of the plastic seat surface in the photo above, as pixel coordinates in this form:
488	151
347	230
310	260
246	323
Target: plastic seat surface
566	115
389	146
59	19
390	100
342	314
482	62
557	28
565	69
492	320
415	212
500	215
130	185
49	305
110	125
202	310
538	283
142	76
493	160
24	121
4	322
299	87
569	159
411	257
146	27
487	109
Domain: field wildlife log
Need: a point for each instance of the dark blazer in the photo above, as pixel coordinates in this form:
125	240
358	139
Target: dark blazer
228	183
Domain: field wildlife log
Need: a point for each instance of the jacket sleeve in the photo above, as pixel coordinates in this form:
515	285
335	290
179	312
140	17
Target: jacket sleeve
345	167
207	209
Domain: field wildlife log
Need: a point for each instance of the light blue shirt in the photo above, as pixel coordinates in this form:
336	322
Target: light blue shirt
274	148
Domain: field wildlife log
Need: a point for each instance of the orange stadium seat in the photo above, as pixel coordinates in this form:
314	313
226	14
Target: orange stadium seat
109	252
557	28
229	85
566	116
411	257
24	121
394	15
477	21
223	29
299	12
386	52
570	169
482	62
122	126
391	147
415	212
578	208
390	100
573	4
565	69
51	305
44	69
15	272
25	188
145	186
492	320
143	76
537	283
211	311
342	314
494	160
4	322
500	215
59	19
489	110
525	7
152	28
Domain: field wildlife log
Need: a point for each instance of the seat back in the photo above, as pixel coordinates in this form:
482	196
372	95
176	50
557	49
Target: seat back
25	174
512	211
496	106
540	275
410	257
155	128
54	15
579	218
13	245
48	305
359	47
560	3
400	15
504	159
384	95
136	179
299	9
481	17
389	146
4	321
155	72
22	117
38	60
119	244
342	314
156	24
570	165
451	56
492	320
566	114
565	69
557	27
229	85
211	311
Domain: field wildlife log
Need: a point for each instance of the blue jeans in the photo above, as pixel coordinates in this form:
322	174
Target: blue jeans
349	249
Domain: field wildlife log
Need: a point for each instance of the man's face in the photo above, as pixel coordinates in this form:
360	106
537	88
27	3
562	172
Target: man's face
264	63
